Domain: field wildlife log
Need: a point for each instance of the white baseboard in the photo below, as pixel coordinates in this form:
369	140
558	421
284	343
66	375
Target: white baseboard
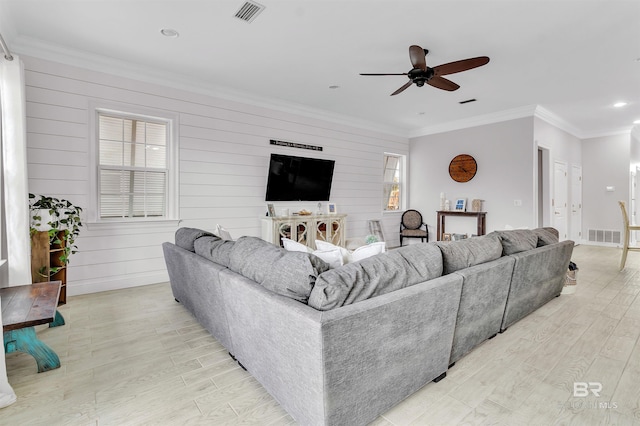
593	243
76	288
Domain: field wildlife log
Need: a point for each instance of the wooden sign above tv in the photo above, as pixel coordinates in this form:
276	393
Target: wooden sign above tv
296	145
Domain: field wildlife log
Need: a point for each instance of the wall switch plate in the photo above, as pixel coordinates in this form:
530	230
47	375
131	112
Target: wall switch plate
611	188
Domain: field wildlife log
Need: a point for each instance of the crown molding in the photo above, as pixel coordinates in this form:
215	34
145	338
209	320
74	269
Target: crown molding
478	120
27	46
612	132
555	120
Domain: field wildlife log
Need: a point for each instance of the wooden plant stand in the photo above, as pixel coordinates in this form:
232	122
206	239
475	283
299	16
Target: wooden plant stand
24	307
47	256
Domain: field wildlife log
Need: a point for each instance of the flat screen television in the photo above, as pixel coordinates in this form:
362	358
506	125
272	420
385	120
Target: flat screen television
299	178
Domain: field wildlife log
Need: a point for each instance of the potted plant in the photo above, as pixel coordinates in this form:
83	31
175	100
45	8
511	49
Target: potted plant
54	226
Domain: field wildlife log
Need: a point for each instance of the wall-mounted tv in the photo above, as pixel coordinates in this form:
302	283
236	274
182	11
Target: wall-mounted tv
299	178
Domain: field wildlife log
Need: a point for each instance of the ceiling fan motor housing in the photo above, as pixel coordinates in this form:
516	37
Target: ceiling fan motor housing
419	77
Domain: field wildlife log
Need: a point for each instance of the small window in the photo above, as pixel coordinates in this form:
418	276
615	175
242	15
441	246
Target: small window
392	187
133	166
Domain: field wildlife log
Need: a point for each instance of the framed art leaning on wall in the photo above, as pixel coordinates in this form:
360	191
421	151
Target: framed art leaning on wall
461	205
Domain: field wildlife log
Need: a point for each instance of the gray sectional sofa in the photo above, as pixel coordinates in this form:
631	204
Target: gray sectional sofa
342	346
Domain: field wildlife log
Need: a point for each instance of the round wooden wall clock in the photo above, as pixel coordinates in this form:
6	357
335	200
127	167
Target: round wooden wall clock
463	168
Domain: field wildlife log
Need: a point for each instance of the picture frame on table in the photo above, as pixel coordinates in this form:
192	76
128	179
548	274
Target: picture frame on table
271	211
461	205
446	236
331	208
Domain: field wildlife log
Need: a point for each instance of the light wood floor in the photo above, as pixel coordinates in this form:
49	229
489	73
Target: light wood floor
132	357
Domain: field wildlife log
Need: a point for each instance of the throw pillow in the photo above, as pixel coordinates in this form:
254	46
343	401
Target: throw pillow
367	251
291	245
223	233
325	246
333	257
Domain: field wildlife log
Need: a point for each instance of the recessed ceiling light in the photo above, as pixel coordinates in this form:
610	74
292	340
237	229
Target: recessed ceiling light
619	104
169	32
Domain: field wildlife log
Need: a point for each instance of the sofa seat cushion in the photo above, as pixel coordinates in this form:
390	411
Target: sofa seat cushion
517	240
214	248
186	237
468	252
376	275
288	273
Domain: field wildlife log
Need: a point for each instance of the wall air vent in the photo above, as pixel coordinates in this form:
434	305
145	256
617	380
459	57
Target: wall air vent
248	11
604	236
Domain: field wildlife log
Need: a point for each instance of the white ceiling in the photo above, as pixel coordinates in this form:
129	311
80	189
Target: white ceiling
574	59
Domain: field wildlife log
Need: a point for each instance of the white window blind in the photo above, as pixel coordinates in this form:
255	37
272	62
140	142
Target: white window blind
392	182
133	172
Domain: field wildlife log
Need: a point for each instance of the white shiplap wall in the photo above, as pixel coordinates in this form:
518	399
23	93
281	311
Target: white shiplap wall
223	157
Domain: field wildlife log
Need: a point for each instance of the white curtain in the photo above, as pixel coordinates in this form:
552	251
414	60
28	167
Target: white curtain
15	188
14	157
7	395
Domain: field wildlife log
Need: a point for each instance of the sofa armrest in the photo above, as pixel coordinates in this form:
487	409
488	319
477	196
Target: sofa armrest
195	283
347	365
538	276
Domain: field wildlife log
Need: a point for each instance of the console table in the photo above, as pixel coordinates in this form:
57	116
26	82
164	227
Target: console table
480	216
305	229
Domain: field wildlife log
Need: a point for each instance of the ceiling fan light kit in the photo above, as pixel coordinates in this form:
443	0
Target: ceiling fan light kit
421	73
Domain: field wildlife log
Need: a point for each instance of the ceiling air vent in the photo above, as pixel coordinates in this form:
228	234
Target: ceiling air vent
249	11
467	101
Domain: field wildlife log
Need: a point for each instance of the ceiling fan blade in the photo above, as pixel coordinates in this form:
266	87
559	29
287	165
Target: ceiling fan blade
443	83
417	55
458	66
402	89
404	73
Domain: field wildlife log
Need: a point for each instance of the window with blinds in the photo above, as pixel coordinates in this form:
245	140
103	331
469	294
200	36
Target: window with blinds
392	182
133	171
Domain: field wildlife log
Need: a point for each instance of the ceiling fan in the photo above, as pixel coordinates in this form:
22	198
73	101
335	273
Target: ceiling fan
421	73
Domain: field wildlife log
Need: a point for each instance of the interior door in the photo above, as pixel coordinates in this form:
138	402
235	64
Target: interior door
633	206
560	198
576	203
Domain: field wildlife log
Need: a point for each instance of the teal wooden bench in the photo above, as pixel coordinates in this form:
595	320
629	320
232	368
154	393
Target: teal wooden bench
24	307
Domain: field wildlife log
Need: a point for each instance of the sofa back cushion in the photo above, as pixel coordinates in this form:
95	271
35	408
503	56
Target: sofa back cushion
291	274
547	236
186	237
214	248
373	276
462	254
517	240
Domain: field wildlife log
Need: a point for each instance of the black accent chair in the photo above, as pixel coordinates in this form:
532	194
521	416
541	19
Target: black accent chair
411	224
